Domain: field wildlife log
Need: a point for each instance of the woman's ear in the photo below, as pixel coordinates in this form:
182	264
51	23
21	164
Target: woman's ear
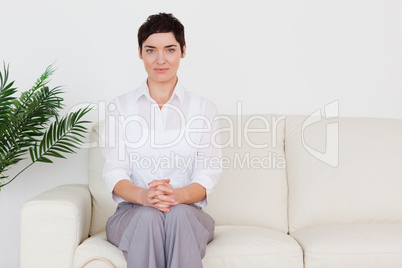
139	52
183	53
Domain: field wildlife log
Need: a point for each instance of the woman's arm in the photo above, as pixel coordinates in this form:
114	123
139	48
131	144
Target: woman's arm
190	194
129	192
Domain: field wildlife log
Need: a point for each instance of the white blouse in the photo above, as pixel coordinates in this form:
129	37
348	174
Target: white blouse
179	141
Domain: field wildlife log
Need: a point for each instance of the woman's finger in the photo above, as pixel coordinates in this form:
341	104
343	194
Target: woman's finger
155	183
168	199
155	193
164	188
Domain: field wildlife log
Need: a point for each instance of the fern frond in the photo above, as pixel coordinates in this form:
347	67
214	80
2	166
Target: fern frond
61	137
6	98
22	129
21	103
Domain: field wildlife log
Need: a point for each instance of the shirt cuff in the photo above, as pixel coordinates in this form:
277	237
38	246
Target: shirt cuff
114	177
209	187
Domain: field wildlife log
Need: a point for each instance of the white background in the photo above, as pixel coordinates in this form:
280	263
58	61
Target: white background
284	57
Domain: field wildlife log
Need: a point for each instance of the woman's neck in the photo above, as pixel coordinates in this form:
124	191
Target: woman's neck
161	91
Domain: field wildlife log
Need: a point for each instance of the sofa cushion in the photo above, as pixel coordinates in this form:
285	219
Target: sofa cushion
233	246
252	189
352	245
246	246
103	205
343	170
98	246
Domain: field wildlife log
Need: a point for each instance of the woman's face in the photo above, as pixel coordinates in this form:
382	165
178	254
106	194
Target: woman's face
161	55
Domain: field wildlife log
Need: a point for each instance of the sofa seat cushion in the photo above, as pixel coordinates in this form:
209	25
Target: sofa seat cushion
247	246
352	245
98	246
233	246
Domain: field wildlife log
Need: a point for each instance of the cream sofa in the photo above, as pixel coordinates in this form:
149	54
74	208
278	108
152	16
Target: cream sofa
319	193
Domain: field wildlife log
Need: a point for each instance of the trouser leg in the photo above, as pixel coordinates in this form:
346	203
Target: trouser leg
139	232
188	231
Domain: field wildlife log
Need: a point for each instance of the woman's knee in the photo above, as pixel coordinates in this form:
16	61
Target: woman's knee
150	214
180	211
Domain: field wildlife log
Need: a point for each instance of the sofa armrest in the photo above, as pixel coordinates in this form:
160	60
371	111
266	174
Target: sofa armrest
52	225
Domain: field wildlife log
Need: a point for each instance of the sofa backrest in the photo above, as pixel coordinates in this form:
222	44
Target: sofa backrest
343	170
252	189
103	205
253	186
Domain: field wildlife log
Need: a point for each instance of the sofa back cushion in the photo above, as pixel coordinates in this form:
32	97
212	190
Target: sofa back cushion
252	189
103	205
343	170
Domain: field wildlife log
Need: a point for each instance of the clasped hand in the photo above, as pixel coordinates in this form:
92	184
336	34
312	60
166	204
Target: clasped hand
161	195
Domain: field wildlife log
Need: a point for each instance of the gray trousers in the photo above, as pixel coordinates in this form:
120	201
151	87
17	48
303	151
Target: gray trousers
151	238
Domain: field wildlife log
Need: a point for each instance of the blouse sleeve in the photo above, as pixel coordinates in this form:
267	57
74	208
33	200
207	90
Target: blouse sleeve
207	166
117	166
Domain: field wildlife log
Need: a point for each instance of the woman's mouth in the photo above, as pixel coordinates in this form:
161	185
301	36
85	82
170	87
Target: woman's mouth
161	70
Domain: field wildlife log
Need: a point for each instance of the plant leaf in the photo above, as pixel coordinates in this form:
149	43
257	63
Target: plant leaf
31	125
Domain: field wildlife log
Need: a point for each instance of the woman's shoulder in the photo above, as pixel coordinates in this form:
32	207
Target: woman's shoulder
201	102
127	98
123	104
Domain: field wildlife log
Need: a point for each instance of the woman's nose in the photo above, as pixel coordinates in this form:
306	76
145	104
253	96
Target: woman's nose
161	58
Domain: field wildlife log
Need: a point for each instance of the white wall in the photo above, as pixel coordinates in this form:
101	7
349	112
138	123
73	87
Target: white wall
286	57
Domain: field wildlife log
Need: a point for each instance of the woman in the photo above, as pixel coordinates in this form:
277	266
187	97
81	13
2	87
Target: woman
158	158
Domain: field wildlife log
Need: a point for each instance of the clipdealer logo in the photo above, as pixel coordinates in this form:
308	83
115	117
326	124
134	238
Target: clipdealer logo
331	154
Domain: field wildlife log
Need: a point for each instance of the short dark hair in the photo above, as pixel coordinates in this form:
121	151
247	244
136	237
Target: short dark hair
161	23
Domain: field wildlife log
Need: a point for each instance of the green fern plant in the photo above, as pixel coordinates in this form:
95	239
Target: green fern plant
31	125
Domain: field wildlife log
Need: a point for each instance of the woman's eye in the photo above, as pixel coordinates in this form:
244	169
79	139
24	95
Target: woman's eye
150	51
171	50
